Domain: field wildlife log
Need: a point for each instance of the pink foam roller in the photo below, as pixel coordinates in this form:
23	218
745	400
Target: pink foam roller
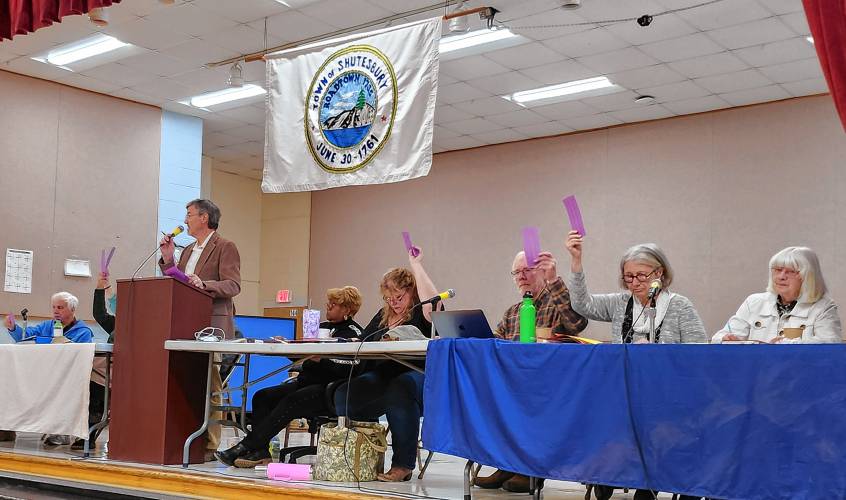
289	472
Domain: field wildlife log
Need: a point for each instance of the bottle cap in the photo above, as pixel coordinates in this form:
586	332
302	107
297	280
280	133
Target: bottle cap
528	294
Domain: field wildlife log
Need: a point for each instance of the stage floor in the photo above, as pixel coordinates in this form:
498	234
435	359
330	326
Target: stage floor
28	459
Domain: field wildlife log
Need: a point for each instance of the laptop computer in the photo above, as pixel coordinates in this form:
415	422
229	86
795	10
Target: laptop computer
461	324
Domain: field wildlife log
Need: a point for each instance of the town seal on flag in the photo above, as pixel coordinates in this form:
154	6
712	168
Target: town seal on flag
350	108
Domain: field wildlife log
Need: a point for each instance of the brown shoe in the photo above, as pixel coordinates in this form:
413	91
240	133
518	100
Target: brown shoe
395	475
7	435
493	481
517	484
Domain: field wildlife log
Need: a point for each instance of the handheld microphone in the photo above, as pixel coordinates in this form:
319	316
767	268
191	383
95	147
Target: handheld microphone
654	288
176	231
439	297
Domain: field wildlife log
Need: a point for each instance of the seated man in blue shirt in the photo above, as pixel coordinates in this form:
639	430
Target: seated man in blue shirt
64	310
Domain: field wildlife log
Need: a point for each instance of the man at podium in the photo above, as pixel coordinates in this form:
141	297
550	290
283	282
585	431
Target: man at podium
211	264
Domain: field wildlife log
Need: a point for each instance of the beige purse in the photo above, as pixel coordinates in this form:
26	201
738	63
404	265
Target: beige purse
356	453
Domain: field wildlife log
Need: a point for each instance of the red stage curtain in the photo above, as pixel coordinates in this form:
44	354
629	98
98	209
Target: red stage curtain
19	17
827	19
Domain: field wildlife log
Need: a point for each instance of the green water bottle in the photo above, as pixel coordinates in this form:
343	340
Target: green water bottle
528	316
58	329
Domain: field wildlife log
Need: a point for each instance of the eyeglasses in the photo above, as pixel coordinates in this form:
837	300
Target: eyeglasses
790	273
525	271
395	299
629	278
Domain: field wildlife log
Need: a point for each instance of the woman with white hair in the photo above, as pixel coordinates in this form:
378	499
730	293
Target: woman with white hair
676	320
795	308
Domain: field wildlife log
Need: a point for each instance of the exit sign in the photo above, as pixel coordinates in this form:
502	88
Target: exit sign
283	296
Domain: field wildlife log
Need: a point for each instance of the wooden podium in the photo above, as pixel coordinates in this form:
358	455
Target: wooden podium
158	396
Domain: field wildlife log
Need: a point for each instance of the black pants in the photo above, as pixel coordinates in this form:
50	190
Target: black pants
275	407
602	492
96	398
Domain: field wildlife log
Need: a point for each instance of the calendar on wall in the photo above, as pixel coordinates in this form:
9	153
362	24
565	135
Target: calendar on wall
18	271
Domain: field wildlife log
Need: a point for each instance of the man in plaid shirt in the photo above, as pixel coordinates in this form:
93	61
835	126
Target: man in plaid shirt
552	301
551	298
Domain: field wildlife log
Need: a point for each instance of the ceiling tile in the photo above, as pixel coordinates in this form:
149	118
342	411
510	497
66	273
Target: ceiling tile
685	47
525	56
243	39
611	102
564	110
472	67
221	139
249	114
586	43
653	112
714	64
456	143
731	82
794	71
243	12
472	126
251	132
199	52
722	14
136	96
345	14
662	28
806	87
697	105
618	60
797	22
293	26
27	66
191	20
754	33
545	129
398	6
203	80
122	76
777	52
458	92
616	9
164	89
589	122
783	6
253	148
487	106
552	17
440	133
675	91
752	96
650	76
30	44
147	34
500	136
216	122
158	64
447	113
559	72
88	83
506	83
519	118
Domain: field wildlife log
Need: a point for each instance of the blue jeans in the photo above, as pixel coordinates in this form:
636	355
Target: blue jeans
372	395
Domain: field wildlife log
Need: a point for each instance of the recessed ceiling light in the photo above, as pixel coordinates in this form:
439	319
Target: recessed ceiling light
564	91
225	95
810	39
82	49
644	99
474	38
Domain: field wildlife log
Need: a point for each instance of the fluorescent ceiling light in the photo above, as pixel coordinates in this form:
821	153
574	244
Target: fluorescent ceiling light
225	95
474	38
810	39
560	90
83	49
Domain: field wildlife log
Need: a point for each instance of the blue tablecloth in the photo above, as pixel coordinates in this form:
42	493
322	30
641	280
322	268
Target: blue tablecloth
724	421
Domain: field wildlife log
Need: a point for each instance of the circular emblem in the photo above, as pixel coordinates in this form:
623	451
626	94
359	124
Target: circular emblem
350	108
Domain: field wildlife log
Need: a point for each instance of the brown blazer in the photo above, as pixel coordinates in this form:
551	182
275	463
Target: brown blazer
220	269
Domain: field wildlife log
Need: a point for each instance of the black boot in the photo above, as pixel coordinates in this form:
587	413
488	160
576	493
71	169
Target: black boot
229	456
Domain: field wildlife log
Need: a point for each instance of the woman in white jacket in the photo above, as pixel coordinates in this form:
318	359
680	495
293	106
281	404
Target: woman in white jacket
796	300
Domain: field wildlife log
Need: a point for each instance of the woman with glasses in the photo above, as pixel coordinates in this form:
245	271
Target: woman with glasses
676	320
795	308
303	396
390	388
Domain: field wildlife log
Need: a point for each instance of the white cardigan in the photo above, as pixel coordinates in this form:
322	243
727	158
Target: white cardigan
758	318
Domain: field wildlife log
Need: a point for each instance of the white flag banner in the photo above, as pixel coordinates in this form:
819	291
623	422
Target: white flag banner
353	110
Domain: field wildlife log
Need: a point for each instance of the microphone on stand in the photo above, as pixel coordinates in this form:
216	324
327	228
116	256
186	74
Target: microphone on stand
654	288
439	297
176	231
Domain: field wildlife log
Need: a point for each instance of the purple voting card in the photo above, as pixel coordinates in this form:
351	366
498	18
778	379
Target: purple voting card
574	214
176	274
531	245
106	260
409	247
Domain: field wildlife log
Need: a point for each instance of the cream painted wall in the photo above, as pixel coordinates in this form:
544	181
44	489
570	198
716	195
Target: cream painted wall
272	235
74	182
720	192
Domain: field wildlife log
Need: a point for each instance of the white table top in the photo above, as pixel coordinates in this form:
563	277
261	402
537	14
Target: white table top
400	348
